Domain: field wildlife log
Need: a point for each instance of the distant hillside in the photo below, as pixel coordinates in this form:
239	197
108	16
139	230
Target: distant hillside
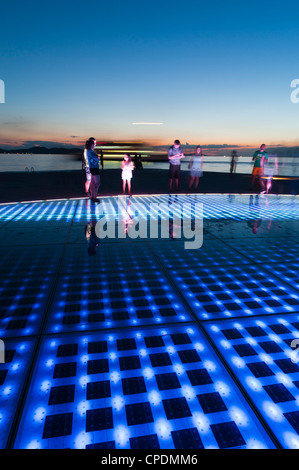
45	150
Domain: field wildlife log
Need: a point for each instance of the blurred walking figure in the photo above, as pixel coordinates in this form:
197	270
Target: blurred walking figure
233	163
102	159
127	167
259	158
254	206
175	154
93	164
196	166
270	169
85	167
91	237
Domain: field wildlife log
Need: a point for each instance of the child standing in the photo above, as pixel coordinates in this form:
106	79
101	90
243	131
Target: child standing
127	167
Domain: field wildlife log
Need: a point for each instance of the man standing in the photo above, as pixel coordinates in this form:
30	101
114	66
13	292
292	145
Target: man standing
259	158
93	164
174	156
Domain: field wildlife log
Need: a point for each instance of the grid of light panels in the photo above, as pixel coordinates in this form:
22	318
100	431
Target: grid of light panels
123	344
153	388
109	300
18	354
23	304
263	353
234	291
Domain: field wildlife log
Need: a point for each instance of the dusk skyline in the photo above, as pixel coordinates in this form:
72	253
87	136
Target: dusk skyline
212	74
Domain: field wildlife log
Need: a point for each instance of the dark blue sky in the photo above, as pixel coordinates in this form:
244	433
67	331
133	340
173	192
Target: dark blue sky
209	73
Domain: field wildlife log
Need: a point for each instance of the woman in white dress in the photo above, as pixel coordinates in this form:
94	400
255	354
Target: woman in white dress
127	167
195	166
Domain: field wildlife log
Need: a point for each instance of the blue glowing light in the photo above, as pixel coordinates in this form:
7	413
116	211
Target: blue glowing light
128	336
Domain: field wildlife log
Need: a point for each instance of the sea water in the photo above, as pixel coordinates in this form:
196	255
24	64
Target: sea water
287	166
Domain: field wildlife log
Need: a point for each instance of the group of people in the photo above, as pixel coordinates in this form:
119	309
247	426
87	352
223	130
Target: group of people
175	154
90	162
262	167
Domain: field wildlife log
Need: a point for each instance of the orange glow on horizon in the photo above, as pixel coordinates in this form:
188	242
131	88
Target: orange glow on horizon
55	140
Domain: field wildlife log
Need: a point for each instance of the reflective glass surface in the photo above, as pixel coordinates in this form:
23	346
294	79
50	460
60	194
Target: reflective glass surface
166	321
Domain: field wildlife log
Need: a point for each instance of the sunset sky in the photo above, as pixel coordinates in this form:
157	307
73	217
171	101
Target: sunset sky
203	72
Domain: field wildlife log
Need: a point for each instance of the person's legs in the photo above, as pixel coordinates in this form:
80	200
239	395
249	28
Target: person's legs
129	186
196	181
261	183
252	182
97	185
124	186
94	186
88	180
173	175
177	175
191	181
170	177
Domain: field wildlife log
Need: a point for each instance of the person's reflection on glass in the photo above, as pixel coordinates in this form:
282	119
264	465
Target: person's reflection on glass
174	221
270	169
266	208
91	237
254	206
126	217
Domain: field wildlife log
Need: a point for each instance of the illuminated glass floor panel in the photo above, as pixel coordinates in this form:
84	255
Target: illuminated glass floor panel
87	211
34	233
263	353
109	300
109	257
23	303
253	228
288	272
29	260
151	388
9	211
234	291
232	206
267	251
212	253
12	374
145	294
39	223
43	211
243	207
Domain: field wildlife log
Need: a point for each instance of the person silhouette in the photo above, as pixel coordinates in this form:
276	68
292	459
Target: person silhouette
259	158
175	154
196	166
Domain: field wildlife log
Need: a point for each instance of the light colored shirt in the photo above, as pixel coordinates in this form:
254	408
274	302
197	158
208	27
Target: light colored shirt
174	151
